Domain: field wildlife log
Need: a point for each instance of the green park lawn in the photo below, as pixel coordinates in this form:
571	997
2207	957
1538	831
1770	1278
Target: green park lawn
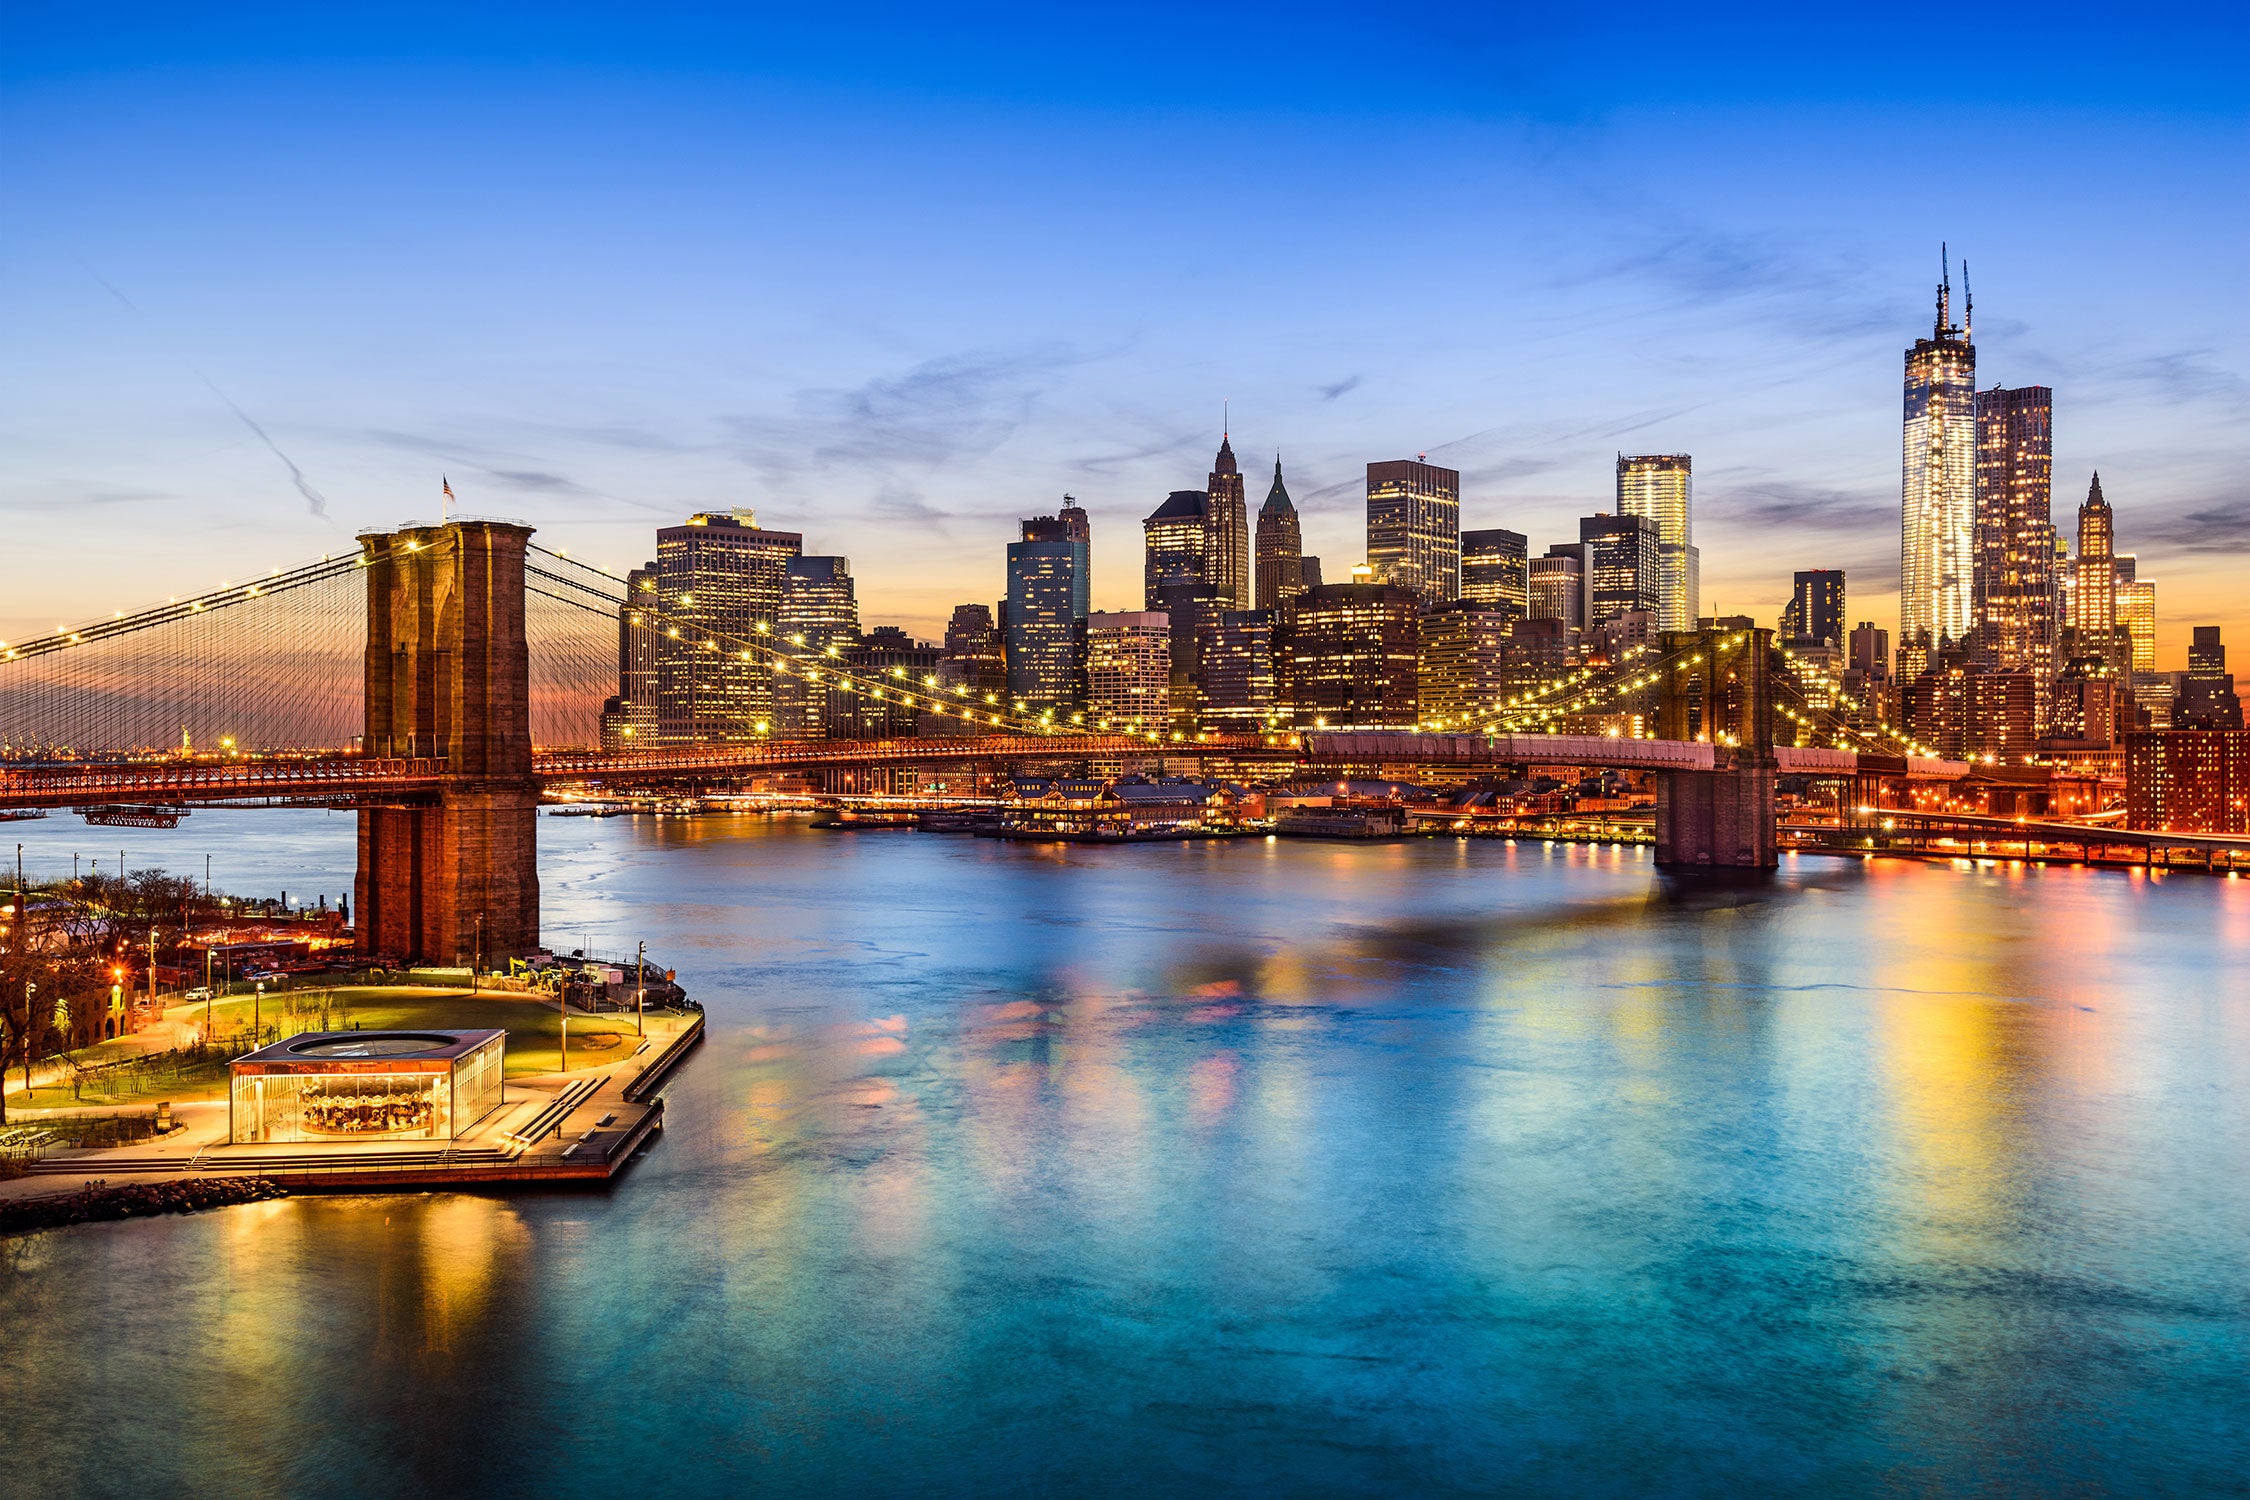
532	1024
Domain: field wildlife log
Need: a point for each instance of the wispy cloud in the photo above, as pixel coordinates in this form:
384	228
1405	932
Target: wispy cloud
956	406
1342	387
2220	528
1788	505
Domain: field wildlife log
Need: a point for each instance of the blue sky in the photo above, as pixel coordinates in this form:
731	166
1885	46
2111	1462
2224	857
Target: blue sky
894	277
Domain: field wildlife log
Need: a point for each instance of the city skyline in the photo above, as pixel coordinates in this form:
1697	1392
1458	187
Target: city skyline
905	408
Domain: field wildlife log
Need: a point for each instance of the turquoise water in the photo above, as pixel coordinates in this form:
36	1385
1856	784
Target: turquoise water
1253	1167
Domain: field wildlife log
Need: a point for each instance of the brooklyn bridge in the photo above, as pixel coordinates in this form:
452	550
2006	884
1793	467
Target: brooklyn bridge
438	678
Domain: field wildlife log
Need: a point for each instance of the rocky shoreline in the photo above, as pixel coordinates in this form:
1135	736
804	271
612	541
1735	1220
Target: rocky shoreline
133	1201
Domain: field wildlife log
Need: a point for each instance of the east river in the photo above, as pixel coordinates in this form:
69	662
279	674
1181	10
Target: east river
1256	1167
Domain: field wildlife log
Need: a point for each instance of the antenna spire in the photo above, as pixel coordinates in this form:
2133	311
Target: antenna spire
1969	308
1944	290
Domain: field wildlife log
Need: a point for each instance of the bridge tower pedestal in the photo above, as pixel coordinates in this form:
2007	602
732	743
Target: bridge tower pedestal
1722	692
448	677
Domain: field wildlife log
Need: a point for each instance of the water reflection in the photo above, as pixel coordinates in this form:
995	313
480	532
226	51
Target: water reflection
1271	1166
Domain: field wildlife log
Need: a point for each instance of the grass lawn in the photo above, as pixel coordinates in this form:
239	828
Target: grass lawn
533	1027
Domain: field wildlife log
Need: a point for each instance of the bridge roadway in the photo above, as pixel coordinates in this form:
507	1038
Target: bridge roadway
378	779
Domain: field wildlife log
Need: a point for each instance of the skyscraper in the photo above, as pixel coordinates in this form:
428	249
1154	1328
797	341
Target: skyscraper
2096	589
1463	663
2207	696
974	656
1238	679
629	719
1281	546
718	578
818	621
1937	553
1659	487
1046	626
2013	593
1129	670
1624	565
1816	608
1495	570
1176	547
1414	527
1557	587
1344	656
2136	609
1228	550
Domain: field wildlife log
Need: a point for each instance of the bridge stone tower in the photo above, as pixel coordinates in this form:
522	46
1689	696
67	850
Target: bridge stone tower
1719	688
448	678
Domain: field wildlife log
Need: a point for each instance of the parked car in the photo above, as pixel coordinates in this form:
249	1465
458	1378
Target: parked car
200	992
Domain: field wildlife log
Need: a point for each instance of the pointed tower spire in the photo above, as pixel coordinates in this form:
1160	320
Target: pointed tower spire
1944	290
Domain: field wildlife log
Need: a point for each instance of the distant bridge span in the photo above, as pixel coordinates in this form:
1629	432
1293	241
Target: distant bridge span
447	779
406	778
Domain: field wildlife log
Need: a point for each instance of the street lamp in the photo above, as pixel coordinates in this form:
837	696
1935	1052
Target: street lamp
257	1010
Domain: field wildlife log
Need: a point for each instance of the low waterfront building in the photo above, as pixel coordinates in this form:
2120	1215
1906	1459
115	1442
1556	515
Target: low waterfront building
342	1087
1132	807
2188	781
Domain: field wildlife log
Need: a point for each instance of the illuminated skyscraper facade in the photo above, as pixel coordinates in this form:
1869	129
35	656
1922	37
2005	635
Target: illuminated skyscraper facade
1937	555
1816	608
2096	588
1414	528
1345	657
718	577
1227	551
1281	546
819	621
1624	567
1659	487
1556	587
1238	678
1129	670
1495	569
2014	597
1176	547
1046	614
2136	610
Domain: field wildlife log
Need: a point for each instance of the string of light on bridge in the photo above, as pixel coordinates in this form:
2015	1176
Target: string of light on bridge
790	656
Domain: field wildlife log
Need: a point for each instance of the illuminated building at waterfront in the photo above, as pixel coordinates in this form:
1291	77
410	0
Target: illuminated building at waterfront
1414	527
2188	780
1659	488
1937	556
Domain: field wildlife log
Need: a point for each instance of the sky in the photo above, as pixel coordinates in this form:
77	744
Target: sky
896	276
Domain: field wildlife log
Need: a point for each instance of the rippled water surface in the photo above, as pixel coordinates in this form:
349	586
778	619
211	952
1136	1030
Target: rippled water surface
1251	1167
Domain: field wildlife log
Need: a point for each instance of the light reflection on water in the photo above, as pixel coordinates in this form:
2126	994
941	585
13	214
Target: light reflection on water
1260	1166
